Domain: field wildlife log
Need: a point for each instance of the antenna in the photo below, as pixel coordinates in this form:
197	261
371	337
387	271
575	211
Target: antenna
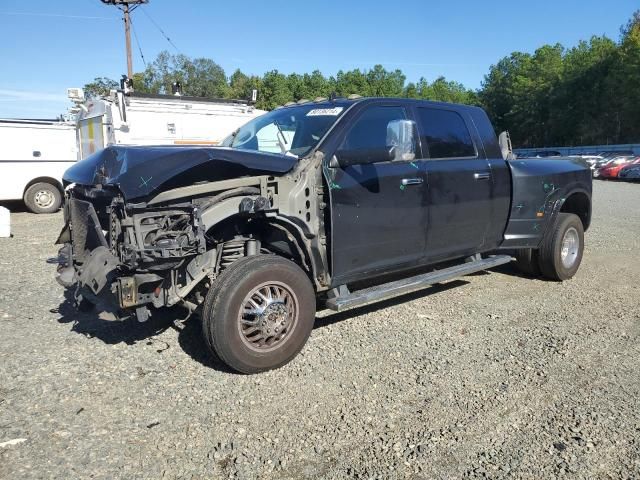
127	6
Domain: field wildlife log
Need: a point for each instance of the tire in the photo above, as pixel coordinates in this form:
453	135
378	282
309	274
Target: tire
556	264
42	197
250	343
527	262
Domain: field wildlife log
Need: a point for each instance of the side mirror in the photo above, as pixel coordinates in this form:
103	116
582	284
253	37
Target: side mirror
504	140
401	137
400	144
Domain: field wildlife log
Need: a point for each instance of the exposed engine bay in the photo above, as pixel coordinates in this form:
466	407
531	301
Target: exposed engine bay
167	249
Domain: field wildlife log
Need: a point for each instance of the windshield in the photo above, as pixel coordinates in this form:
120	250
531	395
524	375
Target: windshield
289	130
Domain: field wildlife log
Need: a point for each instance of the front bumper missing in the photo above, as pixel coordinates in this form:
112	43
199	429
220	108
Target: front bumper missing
97	274
85	261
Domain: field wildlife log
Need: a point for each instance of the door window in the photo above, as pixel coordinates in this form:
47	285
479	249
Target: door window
370	130
444	134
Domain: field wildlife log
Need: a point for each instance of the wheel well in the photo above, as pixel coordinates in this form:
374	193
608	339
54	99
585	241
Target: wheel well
578	203
52	181
274	237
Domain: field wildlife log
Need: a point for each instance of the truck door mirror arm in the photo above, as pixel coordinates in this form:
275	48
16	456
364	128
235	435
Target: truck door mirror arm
345	158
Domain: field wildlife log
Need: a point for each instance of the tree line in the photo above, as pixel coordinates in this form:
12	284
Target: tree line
586	94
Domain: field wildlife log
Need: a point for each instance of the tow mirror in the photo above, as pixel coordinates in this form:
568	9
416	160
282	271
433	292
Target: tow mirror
400	144
401	137
504	140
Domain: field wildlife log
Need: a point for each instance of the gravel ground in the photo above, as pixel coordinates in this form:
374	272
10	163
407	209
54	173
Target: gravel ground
494	376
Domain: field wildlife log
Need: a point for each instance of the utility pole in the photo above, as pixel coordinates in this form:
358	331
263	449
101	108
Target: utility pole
127	6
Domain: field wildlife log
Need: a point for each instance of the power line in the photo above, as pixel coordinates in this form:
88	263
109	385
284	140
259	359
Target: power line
135	35
34	14
127	6
144	10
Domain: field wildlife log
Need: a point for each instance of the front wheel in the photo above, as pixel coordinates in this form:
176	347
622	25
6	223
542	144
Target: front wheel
561	251
259	313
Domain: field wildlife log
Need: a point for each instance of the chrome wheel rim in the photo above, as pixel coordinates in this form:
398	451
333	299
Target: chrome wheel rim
267	316
570	247
43	199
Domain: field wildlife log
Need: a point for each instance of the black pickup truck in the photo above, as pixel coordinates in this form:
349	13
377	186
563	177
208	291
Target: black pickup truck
328	204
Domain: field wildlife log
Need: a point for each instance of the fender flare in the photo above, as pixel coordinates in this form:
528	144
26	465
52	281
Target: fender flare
559	203
304	244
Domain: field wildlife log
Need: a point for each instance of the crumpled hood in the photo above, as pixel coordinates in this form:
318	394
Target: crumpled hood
139	171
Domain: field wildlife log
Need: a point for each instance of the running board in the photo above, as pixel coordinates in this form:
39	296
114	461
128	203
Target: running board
407	285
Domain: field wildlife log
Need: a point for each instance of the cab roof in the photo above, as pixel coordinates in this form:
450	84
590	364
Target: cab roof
346	102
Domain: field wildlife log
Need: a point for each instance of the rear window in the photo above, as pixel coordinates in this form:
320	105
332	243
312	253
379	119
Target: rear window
444	134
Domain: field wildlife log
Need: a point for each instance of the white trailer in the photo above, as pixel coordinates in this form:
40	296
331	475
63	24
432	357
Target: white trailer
142	119
33	156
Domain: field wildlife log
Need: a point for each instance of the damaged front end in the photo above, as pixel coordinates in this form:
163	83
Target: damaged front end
131	256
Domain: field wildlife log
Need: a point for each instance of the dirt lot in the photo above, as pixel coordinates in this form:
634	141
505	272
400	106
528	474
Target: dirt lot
493	376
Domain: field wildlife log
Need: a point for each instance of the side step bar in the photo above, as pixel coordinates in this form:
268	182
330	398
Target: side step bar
406	285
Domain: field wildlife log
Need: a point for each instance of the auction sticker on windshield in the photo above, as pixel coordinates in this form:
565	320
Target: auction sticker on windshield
332	112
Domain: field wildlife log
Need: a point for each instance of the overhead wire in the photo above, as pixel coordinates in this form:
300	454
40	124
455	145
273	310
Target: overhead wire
36	14
161	30
135	35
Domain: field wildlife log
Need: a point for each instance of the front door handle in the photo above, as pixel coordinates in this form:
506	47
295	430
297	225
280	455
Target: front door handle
482	176
411	181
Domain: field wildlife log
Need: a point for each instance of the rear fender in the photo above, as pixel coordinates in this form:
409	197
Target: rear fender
540	191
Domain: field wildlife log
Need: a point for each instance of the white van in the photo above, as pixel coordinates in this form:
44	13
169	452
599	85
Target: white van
33	156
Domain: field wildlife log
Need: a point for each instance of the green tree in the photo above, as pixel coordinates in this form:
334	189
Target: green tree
275	91
442	90
351	82
241	85
100	87
383	83
199	77
139	83
316	85
624	83
588	94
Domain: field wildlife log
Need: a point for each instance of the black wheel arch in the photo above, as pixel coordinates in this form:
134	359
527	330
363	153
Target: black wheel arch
578	202
281	236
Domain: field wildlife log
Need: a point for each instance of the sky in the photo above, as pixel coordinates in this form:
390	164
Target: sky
48	46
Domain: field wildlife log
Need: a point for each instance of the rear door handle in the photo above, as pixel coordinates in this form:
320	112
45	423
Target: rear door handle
482	176
411	181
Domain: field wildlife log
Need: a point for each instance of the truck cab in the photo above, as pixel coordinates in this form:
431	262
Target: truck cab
336	204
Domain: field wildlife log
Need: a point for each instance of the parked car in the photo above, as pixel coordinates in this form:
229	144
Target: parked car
616	153
612	167
630	171
361	189
544	154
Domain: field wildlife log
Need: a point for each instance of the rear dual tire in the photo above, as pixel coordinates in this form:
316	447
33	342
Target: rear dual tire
560	252
527	262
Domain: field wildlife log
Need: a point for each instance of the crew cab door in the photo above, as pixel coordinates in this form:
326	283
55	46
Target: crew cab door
459	183
378	208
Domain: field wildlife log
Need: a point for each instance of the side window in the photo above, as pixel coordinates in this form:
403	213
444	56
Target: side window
445	134
370	130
